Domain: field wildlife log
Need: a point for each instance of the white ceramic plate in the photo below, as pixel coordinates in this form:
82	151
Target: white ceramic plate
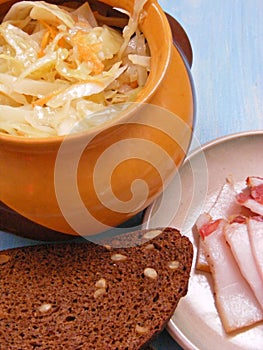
196	324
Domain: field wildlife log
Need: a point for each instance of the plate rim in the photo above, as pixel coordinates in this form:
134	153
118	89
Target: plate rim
174	331
221	139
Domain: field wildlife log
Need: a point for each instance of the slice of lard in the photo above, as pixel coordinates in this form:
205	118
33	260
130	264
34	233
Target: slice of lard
255	231
235	301
237	236
252	196
224	206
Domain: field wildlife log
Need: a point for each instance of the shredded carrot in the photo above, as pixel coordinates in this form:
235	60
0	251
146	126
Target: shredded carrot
49	35
134	84
52	30
44	43
42	101
87	53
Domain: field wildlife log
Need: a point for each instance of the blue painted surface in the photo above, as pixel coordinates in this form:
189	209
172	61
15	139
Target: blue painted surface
226	37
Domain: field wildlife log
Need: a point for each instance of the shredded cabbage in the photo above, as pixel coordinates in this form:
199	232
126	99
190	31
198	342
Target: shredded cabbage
59	67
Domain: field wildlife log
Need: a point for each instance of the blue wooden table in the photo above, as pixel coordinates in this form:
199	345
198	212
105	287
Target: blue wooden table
226	38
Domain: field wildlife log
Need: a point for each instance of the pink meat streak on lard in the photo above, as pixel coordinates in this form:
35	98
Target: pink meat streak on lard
235	301
237	236
252	196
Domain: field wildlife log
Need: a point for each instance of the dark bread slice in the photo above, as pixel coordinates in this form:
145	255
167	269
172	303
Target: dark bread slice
89	296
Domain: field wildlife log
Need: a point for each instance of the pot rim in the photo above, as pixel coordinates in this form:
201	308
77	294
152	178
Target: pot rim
144	96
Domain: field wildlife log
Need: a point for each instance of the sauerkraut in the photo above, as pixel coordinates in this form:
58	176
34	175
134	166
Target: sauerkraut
59	67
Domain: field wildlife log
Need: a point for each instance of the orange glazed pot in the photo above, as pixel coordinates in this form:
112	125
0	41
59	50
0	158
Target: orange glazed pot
88	182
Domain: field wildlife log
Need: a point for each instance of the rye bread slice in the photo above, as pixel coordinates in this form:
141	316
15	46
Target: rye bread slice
89	296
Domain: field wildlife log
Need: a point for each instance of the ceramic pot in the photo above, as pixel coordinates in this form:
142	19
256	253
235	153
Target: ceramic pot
91	181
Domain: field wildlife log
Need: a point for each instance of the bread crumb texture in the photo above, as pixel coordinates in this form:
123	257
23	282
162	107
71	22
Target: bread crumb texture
75	296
